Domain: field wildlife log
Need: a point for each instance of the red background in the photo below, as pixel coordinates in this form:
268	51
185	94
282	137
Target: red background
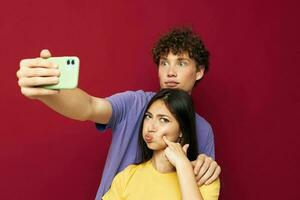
250	96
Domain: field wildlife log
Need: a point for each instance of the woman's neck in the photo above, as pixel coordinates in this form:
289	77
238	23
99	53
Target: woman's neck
160	162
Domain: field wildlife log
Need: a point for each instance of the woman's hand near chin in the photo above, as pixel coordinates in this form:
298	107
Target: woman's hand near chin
175	153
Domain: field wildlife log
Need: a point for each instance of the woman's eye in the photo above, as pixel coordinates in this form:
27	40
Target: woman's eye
164	120
147	116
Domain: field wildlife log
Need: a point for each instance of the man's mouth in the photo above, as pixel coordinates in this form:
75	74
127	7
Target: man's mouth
171	84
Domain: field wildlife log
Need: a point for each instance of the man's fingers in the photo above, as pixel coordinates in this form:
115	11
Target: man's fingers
36	62
37	81
31	92
45	53
197	167
202	175
214	176
198	164
209	172
35	72
204	168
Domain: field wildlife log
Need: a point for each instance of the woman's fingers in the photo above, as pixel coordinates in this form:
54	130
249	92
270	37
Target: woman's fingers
166	141
185	148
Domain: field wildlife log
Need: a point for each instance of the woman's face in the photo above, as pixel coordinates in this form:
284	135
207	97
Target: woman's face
159	122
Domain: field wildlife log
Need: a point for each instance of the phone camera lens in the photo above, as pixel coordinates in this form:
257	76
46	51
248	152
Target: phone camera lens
68	62
73	62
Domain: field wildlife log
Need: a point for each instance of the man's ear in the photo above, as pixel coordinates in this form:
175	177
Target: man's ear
200	73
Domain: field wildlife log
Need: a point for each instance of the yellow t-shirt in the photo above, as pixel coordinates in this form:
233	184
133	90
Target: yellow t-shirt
142	181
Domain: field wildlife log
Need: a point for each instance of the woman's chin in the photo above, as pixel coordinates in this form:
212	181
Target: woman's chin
156	147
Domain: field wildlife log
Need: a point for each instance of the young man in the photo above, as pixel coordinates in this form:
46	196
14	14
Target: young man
182	61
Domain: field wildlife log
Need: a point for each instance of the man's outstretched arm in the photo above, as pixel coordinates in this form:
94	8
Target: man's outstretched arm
74	104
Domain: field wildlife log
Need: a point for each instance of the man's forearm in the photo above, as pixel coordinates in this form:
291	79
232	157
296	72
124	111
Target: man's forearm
75	104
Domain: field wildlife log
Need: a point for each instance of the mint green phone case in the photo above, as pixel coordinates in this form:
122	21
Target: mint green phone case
69	71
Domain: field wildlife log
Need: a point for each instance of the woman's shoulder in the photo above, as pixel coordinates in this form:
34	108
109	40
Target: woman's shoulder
130	174
130	170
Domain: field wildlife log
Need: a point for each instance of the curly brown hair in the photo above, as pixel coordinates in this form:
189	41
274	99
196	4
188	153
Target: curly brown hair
182	40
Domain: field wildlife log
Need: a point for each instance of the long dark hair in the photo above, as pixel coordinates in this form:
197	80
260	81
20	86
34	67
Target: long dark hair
180	104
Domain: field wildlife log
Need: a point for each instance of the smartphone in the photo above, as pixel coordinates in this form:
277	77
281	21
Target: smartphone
69	72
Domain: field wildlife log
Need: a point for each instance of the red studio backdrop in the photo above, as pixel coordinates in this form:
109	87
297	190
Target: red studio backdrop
250	95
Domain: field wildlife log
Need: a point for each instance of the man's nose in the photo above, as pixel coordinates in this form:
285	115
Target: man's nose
172	71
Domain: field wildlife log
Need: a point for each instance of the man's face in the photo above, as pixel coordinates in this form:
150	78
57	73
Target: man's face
178	71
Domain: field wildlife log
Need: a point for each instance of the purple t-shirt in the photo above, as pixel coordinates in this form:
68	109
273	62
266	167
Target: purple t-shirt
127	115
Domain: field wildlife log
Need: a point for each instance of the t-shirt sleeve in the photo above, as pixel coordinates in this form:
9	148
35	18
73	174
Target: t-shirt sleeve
211	191
116	190
121	104
119	184
209	148
205	137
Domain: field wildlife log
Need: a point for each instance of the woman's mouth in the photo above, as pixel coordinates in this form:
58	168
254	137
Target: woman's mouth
148	138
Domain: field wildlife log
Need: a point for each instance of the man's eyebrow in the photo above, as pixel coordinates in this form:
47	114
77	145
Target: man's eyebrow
182	58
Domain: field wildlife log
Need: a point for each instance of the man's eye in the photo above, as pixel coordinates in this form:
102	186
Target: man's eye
163	63
182	64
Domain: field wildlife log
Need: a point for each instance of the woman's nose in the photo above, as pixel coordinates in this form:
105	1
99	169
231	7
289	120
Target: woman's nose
151	126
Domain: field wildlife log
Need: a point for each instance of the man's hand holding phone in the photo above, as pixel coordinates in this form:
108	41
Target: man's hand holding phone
45	75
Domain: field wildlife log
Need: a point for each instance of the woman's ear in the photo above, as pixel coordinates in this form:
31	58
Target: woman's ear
180	138
200	73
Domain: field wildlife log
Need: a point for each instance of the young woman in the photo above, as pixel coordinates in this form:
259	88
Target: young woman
168	142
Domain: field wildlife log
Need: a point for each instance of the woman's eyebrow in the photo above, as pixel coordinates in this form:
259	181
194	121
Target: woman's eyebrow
163	115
